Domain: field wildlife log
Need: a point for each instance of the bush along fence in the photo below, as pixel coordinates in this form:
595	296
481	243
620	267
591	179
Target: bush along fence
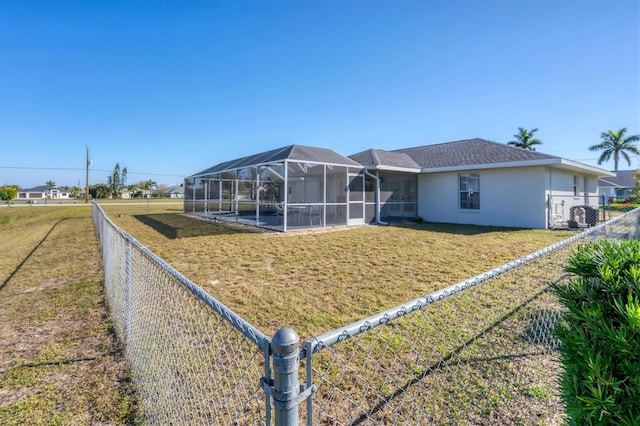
482	351
600	334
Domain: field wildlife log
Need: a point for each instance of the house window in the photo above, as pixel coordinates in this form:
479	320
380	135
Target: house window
575	186
469	192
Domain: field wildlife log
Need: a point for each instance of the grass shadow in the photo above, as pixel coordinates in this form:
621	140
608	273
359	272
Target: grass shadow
15	271
175	226
455	229
453	355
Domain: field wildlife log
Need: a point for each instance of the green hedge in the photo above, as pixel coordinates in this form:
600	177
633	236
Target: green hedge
600	334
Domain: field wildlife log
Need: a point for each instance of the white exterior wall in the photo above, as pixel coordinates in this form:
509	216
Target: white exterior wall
561	192
513	197
561	186
32	195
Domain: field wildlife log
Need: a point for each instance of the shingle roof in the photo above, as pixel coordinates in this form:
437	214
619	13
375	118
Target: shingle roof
365	158
470	152
40	188
622	179
291	152
176	188
378	157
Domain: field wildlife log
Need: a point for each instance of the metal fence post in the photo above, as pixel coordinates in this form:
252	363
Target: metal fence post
286	362
127	284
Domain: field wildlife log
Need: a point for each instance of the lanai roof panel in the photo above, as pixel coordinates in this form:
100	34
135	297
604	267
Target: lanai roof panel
291	152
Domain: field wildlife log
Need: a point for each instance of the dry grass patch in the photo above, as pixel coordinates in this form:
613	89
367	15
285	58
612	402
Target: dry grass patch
60	363
484	356
59	360
319	281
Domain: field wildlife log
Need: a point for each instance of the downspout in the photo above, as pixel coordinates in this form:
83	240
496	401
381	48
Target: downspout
377	196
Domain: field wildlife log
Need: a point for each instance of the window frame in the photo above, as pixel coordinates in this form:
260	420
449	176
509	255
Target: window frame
469	184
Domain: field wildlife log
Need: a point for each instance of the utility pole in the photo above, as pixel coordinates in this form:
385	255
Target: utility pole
86	187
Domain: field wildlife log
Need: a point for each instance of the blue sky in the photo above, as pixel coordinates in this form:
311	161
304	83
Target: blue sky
168	88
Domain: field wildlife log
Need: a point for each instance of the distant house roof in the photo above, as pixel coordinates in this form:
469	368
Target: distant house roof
177	189
465	154
41	188
291	152
622	179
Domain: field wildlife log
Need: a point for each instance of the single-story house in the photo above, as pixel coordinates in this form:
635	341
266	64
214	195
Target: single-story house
620	186
176	191
473	181
43	192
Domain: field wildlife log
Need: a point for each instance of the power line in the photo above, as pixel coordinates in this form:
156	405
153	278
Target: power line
45	168
93	170
590	129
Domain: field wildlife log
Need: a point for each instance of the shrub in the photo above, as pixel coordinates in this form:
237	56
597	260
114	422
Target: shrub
8	192
600	334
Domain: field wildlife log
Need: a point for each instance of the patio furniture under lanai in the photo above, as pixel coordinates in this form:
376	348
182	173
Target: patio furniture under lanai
289	188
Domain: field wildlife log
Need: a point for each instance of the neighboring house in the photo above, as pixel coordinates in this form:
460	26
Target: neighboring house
175	191
43	192
473	181
621	185
134	192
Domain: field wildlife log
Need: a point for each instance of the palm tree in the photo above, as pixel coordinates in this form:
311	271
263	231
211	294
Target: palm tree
525	139
50	183
148	185
614	143
99	190
74	190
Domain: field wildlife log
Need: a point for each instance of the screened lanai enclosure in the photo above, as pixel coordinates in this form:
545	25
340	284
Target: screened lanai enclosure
294	187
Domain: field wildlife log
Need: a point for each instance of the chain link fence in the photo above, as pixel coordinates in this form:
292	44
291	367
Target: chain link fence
192	359
478	352
570	212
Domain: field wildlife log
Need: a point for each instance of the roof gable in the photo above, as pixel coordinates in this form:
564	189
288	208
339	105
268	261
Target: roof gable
377	158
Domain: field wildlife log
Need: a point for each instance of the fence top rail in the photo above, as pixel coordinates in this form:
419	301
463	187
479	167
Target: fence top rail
316	344
248	330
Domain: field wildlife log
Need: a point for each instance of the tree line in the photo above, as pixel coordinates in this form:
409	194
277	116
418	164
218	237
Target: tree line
115	186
